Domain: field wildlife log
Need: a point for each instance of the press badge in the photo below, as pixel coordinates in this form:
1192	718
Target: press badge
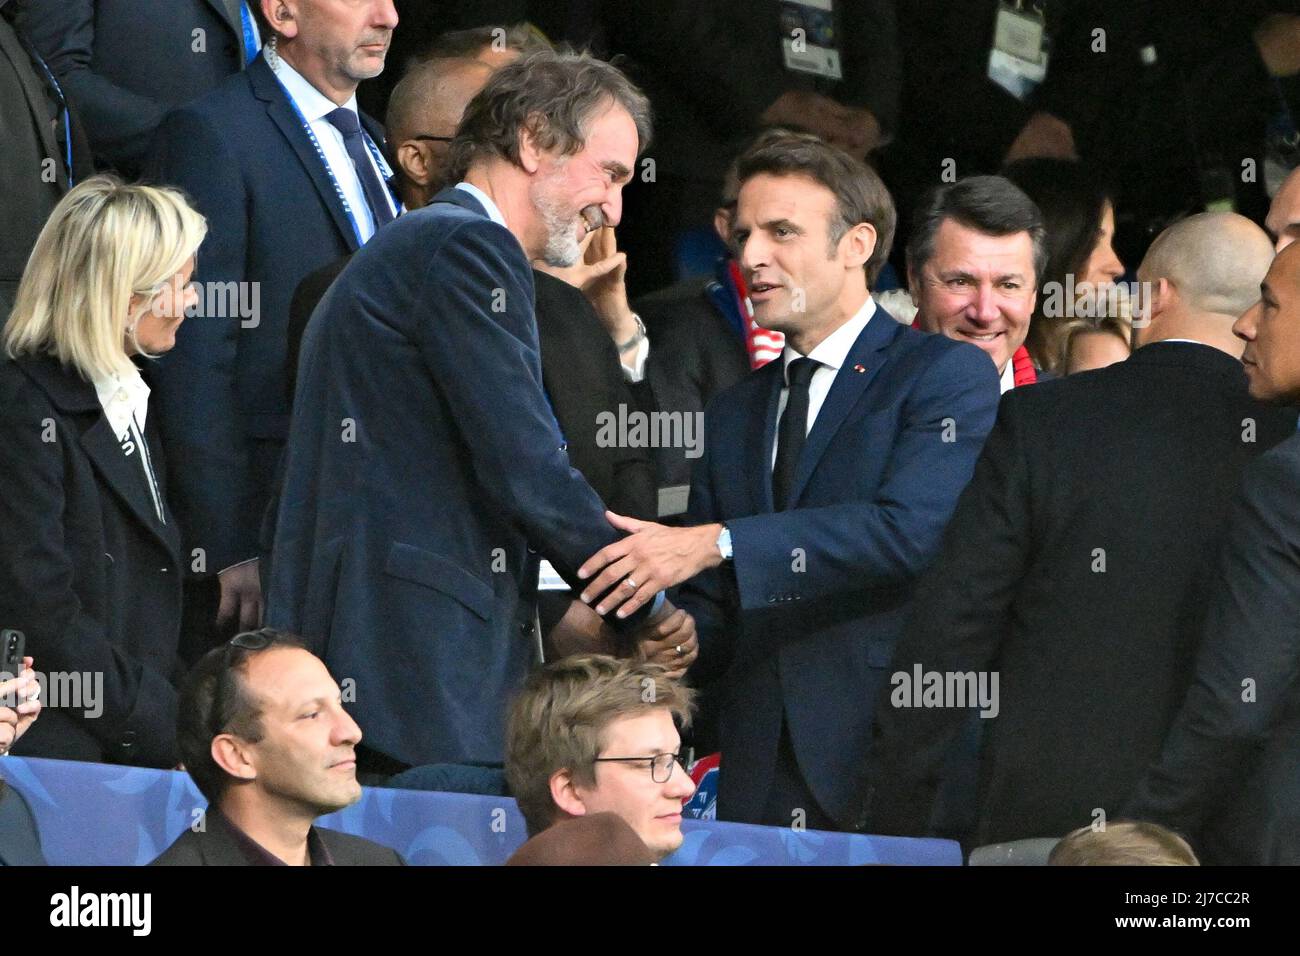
1018	60
808	38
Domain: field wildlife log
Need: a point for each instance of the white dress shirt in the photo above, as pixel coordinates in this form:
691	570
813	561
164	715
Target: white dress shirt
315	106
125	400
1008	381
831	352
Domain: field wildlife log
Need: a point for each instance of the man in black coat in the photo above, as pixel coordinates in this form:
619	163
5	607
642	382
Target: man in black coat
1076	568
264	735
39	135
124	65
1227	776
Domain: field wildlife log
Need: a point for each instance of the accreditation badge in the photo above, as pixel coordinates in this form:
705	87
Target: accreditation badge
1018	60
809	38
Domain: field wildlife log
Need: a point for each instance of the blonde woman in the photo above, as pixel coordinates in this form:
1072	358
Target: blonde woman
90	558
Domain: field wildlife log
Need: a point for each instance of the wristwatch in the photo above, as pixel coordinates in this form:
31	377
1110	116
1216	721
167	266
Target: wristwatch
724	543
636	339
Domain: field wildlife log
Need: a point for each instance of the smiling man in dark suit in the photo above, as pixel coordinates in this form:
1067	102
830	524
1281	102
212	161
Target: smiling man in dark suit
425	468
125	64
290	178
825	485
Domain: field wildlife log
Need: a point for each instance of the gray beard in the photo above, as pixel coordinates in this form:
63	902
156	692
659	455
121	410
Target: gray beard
562	249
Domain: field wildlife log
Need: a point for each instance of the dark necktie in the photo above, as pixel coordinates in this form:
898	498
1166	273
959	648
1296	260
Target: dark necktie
793	430
347	123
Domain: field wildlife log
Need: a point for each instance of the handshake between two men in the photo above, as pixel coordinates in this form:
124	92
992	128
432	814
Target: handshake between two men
623	576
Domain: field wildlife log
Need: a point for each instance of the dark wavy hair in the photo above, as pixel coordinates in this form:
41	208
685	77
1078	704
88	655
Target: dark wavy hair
1072	199
554	94
860	195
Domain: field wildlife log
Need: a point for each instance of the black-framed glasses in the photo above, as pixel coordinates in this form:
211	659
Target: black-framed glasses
433	139
661	765
258	640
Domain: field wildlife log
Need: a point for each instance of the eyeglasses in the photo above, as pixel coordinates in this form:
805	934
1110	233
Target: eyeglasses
247	641
661	765
433	139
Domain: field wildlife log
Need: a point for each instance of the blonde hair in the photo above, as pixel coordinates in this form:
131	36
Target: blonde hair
1124	843
1067	333
105	242
559	719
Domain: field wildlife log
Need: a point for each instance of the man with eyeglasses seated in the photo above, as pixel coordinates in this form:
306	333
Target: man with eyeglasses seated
592	734
264	735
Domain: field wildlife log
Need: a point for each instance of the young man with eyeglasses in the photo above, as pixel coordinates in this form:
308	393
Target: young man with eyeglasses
592	734
264	735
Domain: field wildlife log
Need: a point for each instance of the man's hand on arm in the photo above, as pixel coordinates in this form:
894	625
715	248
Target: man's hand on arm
241	597
651	558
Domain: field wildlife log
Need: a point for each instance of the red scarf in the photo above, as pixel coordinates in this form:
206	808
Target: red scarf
763	345
1023	371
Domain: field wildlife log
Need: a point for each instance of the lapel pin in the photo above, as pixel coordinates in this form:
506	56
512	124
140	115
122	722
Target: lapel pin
859	369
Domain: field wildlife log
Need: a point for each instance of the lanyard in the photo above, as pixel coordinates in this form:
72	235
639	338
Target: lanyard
250	33
384	171
62	101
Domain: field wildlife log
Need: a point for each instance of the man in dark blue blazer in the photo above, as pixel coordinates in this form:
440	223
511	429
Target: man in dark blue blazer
425	470
826	482
290	178
125	63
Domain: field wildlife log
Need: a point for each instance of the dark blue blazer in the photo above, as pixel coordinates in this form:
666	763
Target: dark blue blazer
125	63
806	618
273	217
422	462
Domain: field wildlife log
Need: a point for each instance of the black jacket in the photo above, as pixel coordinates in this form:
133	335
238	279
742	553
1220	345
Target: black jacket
217	845
1077	567
87	571
1229	775
694	355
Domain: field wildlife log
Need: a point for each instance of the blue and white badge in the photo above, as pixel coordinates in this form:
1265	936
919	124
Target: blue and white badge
1018	60
809	41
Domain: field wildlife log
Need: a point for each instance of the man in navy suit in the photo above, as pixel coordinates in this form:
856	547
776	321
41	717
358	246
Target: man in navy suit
124	63
425	470
826	482
290	178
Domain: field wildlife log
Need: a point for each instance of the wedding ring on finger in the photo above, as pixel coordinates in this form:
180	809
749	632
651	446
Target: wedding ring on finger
630	583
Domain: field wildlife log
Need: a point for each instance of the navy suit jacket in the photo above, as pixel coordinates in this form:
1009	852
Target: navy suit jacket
422	462
125	63
806	617
242	155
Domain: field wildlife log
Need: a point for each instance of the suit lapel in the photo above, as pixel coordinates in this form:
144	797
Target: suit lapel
268	89
864	361
760	434
37	97
228	10
125	476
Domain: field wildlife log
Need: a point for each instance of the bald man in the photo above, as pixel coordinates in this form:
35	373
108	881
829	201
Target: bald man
1229	775
422	118
1077	566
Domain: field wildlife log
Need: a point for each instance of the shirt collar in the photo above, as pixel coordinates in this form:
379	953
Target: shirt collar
494	213
834	350
1009	376
123	397
257	855
311	102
